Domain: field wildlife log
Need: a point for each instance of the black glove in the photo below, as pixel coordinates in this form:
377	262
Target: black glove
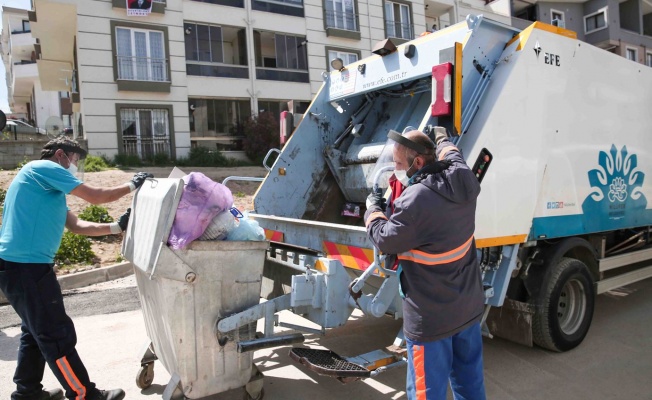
139	179
123	221
376	200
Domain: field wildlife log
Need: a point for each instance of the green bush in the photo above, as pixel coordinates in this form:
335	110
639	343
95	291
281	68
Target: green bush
160	159
95	164
203	157
22	164
74	249
3	194
97	214
127	160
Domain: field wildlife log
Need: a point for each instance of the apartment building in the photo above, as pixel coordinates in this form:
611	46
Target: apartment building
26	98
621	27
190	72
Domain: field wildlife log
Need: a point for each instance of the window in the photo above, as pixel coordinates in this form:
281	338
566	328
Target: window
595	21
145	132
26	27
230	3
216	51
631	54
557	18
346	57
203	43
397	20
286	7
281	57
340	14
648	59
210	117
140	55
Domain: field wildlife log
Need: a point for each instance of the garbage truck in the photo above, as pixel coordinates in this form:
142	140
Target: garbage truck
556	131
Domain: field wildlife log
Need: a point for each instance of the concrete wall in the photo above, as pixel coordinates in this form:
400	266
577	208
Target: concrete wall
14	152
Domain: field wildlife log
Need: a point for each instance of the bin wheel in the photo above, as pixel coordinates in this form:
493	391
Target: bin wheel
260	396
145	376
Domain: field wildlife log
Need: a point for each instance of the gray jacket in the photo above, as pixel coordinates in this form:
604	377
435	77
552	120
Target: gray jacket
431	232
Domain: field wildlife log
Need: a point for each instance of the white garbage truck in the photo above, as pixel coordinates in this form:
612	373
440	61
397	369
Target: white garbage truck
557	132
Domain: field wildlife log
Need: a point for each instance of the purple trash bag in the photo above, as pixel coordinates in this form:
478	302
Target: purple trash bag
202	199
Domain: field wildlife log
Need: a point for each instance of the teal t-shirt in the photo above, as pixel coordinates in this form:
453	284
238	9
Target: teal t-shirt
35	212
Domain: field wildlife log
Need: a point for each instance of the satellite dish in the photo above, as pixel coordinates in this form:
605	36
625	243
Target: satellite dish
53	127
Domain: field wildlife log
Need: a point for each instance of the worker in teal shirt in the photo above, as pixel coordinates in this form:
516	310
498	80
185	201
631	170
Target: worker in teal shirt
34	216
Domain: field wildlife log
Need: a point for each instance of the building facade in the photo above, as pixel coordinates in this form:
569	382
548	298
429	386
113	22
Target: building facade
191	72
620	27
25	96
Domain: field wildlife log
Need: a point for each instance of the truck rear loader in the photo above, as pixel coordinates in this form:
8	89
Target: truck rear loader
557	132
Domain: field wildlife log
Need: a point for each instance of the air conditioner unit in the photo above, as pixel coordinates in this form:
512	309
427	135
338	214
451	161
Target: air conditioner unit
559	22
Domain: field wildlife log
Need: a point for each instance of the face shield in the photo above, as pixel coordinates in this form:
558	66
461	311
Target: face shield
385	165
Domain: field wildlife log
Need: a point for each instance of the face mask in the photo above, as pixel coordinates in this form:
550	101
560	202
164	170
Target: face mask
402	175
72	168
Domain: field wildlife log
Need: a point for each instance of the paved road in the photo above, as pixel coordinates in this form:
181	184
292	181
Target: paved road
614	362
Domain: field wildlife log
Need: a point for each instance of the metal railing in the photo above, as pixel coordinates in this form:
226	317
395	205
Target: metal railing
146	147
142	68
399	30
341	20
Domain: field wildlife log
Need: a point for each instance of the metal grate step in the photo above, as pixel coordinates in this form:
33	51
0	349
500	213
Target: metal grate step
325	362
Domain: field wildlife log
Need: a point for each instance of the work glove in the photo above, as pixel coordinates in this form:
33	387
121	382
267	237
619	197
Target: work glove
121	225
376	200
440	134
138	180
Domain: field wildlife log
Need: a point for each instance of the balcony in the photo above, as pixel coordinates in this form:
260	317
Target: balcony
142	74
399	30
286	7
342	24
25	70
22	45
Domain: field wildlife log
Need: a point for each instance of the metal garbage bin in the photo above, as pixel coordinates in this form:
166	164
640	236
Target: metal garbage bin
184	293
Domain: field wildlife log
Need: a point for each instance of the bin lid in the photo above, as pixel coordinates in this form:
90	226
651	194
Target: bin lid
152	215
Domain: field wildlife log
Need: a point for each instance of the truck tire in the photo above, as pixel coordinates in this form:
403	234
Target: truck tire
565	307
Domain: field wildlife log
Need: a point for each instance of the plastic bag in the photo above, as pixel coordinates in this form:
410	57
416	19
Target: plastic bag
220	226
248	229
202	199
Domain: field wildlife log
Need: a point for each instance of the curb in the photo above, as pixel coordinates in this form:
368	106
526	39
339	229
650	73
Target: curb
87	278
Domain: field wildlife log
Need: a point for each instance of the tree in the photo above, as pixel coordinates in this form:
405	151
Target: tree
261	134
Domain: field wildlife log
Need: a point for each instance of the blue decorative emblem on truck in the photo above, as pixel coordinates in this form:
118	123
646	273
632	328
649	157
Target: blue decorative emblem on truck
616	188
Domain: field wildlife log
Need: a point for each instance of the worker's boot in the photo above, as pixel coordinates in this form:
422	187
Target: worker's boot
115	394
54	394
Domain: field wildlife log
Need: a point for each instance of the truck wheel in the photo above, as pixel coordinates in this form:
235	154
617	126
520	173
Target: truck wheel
565	307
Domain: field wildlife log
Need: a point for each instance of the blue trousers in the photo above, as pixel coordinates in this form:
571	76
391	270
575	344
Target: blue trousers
456	359
48	334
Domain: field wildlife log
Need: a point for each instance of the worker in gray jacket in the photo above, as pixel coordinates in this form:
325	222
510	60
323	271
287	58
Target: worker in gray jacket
429	227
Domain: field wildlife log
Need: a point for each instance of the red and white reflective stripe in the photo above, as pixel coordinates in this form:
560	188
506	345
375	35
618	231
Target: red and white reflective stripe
419	364
422	257
71	378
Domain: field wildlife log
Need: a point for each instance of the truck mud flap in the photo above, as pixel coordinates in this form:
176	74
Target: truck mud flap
326	362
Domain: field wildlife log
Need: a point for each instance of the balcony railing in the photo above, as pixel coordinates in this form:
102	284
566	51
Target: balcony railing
399	30
341	20
142	69
146	147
